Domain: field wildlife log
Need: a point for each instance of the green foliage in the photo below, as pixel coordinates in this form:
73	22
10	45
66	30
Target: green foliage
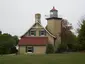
49	49
68	38
61	48
81	36
6	43
0	32
76	47
16	39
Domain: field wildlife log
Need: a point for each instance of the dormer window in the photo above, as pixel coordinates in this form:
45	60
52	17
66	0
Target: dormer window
32	33
42	33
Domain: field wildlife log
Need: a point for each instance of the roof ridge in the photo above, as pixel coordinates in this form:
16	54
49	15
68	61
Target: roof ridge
42	26
28	29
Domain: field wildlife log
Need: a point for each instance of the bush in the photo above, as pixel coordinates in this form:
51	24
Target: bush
76	47
13	50
61	48
7	42
49	49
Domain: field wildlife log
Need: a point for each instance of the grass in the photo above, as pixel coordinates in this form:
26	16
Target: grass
70	58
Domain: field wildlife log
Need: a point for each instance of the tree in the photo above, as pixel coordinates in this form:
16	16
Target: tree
81	35
7	42
67	36
0	32
16	39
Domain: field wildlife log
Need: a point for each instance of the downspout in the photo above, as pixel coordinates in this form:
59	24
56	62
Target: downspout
54	43
55	38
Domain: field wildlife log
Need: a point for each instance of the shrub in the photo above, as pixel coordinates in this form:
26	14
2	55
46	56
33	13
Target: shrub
61	48
49	49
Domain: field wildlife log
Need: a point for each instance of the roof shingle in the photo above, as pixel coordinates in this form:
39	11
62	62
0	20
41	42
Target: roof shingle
33	41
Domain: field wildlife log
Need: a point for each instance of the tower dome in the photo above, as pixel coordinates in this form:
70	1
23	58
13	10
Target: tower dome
53	13
53	9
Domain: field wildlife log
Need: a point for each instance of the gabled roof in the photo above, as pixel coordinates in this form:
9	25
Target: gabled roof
28	30
33	41
43	28
48	31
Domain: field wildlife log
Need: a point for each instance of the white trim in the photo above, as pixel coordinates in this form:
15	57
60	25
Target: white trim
29	52
29	29
43	27
47	31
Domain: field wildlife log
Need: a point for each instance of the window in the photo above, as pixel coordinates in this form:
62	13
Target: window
42	33
32	33
29	49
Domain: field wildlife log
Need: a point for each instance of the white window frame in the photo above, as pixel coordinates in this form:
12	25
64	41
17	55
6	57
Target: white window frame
29	48
42	34
31	33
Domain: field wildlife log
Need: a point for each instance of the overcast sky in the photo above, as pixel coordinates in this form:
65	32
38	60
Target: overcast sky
17	16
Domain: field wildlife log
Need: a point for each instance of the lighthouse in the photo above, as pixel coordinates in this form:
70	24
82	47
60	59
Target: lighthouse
54	24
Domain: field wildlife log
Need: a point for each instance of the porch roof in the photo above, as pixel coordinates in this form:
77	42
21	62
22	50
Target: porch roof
33	41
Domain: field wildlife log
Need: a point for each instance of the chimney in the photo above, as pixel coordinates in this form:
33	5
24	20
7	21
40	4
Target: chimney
37	18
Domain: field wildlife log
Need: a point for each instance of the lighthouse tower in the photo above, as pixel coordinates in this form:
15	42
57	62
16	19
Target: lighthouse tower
54	23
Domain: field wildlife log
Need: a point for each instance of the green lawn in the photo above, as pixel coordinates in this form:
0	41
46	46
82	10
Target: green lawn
70	58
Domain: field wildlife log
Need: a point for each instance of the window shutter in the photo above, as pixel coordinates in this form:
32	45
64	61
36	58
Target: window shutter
39	33
45	33
35	33
32	49
29	33
26	48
